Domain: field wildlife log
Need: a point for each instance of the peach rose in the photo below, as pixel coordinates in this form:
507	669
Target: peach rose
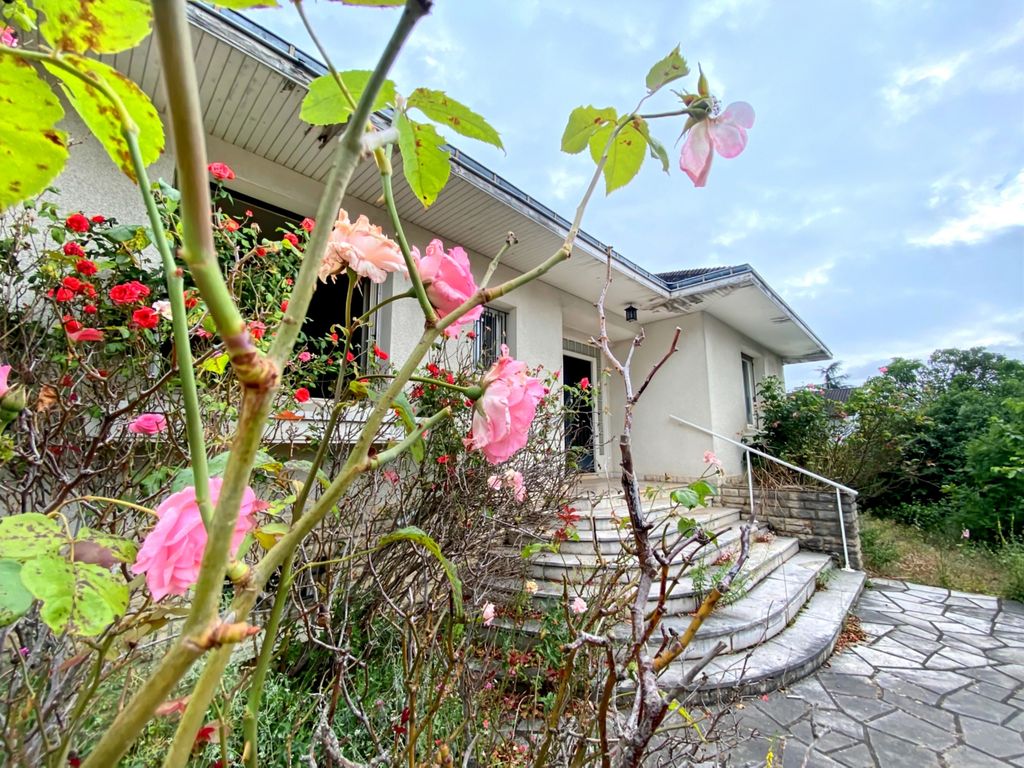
363	247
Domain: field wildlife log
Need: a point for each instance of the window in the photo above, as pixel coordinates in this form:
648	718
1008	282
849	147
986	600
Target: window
491	332
327	308
747	365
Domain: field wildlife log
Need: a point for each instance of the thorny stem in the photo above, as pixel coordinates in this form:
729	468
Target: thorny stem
410	264
510	240
175	286
257	373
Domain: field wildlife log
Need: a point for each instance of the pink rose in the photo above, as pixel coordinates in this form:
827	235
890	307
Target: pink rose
585	382
883	370
578	605
5	371
503	414
173	551
449	282
148	424
726	133
711	459
7	37
513	480
363	247
305	356
488	614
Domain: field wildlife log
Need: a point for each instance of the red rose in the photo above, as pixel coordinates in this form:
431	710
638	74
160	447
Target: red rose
86	334
64	294
349	357
257	329
284	305
73	249
128	293
190	300
292	238
88	290
301	395
83	266
308	224
248	213
72	283
442	459
380	353
146	317
98	219
261	251
76	222
90	309
220	172
72	326
230	225
334	336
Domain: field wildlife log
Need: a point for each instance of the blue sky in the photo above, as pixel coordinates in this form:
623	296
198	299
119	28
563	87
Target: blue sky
882	189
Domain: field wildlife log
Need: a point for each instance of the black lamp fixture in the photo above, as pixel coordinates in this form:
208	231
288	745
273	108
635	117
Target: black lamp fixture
630	313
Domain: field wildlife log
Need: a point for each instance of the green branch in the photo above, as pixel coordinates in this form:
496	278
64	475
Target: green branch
418	288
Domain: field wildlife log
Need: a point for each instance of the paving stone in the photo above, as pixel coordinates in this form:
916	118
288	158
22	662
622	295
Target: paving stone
964	658
858	756
898	753
887	681
888	660
975	705
905	725
972	642
968	757
1015	671
833	741
850	685
813	692
989	691
933	679
785	709
994	677
924	642
840	723
863	709
922	711
850	664
1008	655
991	739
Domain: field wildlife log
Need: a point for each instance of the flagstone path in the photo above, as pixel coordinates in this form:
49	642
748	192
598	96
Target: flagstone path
938	683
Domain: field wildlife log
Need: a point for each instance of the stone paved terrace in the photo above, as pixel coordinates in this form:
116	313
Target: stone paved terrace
938	683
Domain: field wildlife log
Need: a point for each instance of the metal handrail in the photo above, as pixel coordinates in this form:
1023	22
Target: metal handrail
750	483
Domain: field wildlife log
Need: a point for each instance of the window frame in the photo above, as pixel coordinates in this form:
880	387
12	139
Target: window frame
749	389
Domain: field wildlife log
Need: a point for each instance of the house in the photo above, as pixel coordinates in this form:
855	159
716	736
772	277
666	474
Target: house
735	328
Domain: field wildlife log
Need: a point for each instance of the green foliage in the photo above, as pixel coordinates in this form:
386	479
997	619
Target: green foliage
670	68
583	123
325	104
878	549
1011	558
79	593
15	600
442	108
626	152
99	26
102	118
32	151
425	161
417	536
81	598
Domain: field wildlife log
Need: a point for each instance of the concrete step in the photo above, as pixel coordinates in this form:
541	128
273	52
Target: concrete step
682	599
579	566
604	522
610	539
761	614
795	653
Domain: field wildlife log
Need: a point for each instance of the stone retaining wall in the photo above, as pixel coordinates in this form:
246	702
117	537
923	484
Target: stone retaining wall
807	514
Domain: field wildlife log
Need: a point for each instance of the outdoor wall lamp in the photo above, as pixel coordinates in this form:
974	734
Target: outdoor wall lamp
630	314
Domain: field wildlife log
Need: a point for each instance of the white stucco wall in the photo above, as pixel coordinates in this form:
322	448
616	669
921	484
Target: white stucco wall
724	348
661	447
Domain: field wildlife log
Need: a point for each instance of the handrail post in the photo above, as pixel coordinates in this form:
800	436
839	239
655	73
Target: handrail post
842	530
750	486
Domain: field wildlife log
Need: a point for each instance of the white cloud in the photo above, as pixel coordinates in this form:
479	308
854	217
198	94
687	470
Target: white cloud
915	88
986	211
808	283
565	184
728	13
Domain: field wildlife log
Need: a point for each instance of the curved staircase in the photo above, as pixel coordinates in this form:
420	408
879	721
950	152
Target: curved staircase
786	607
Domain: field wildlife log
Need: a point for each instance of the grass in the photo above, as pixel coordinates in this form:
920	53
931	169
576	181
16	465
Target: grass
897	551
